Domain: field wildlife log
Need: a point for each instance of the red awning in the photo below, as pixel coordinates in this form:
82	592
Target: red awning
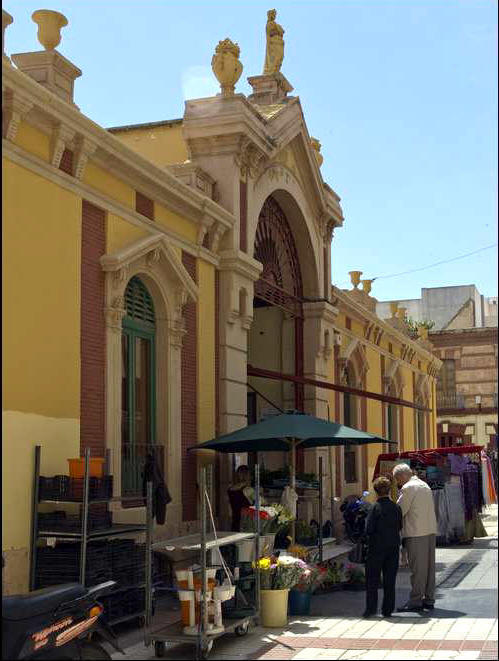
426	454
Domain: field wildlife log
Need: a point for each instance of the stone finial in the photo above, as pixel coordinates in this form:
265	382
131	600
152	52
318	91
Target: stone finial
355	278
49	27
48	67
366	286
316	146
393	308
6	20
226	65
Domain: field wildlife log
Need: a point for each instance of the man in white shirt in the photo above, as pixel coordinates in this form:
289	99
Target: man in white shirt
419	534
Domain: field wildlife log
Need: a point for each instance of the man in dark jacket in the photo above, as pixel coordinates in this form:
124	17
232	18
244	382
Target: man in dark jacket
383	527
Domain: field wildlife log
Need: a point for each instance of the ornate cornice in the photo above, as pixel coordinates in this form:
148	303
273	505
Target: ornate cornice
23	95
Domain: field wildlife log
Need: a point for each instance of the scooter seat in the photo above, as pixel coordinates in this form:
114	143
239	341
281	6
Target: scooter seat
39	602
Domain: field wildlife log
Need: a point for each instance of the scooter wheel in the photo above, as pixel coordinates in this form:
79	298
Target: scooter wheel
159	649
242	629
206	649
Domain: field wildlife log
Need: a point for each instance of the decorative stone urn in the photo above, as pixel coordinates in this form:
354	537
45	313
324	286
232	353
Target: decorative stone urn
355	278
394	308
49	27
366	286
6	20
423	332
226	66
316	146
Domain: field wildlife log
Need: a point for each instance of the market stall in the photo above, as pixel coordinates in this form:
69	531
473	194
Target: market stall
462	483
287	432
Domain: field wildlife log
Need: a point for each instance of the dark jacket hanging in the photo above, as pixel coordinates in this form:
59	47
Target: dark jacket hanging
160	494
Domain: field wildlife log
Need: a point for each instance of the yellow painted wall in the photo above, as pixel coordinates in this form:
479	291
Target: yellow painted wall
33	141
163	145
121	233
109	185
408	394
41	346
374	408
41	295
206	350
181	226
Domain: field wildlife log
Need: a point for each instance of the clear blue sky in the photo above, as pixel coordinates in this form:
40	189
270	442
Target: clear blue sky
402	95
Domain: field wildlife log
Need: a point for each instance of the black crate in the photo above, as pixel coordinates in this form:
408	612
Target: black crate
63	487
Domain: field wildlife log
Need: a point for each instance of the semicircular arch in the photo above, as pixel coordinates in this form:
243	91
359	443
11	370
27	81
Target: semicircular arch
291	200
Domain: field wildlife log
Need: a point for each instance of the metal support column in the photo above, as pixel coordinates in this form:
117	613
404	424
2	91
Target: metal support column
148	559
84	518
320	511
34	518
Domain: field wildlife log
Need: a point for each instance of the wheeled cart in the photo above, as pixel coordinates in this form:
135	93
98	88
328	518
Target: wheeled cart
203	638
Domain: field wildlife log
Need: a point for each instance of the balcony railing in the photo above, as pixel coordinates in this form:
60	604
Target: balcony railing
453	400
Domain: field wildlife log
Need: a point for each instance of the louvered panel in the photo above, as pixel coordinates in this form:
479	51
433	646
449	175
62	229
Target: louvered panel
138	302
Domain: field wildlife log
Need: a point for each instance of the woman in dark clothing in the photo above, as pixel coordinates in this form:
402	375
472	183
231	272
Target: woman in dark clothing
383	527
240	495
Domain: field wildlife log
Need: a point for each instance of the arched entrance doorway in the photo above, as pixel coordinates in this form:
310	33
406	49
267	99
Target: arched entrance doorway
275	341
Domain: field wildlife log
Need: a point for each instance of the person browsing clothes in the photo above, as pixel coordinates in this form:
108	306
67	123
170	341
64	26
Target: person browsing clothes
383	527
419	534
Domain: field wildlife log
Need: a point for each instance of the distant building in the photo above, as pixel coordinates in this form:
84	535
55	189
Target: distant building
449	307
465	339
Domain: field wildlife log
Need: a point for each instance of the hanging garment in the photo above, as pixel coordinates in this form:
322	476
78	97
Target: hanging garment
458	463
160	495
455	509
442	515
471	491
488	486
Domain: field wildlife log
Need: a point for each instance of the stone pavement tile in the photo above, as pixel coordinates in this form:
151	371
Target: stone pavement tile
405	644
472	644
415	655
363	654
489	645
317	653
444	655
296	642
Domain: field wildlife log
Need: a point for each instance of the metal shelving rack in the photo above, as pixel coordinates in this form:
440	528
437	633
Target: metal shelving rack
84	536
173	633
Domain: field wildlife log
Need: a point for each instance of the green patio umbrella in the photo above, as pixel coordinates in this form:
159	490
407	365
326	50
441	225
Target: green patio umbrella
286	432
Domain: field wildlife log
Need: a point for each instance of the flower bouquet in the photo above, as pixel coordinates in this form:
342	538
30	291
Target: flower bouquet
311	578
356	578
272	519
334	576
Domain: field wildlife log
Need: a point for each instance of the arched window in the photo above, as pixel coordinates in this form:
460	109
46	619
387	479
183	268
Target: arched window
350	420
138	428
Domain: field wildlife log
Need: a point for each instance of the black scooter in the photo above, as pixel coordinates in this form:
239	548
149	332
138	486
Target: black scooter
56	623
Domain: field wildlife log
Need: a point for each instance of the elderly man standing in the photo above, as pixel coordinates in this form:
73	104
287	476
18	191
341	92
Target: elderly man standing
419	534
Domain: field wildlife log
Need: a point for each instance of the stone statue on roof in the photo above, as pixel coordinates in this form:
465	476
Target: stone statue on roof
274	53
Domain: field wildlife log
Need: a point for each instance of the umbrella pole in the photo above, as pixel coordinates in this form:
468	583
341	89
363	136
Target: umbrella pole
293	484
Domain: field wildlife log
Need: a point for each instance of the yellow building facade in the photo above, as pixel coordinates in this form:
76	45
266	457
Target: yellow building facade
163	283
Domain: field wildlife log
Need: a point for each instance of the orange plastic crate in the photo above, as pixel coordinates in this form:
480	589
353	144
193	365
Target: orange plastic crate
77	467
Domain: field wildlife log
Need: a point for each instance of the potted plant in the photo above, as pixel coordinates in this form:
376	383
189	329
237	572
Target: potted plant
273	518
277	576
299	596
305	534
356	578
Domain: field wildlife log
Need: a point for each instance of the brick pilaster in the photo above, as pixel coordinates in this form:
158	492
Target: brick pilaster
92	332
189	401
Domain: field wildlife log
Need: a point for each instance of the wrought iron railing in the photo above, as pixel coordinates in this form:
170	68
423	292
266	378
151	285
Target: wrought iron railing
450	400
133	459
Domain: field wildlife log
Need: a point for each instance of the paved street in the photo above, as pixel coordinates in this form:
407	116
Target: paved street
462	626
